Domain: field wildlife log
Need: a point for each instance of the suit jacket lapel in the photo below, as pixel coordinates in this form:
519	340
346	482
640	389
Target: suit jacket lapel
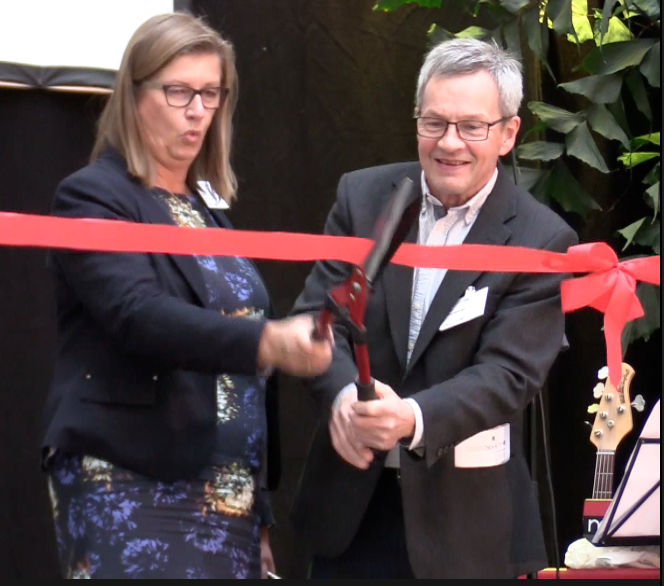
186	264
397	284
489	228
151	212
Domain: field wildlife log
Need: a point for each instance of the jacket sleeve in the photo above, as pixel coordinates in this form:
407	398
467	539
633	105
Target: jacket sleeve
122	293
324	276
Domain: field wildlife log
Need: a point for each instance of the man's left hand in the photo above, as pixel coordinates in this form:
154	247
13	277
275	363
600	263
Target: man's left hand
381	423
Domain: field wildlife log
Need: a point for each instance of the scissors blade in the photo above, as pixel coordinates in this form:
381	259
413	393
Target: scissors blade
391	228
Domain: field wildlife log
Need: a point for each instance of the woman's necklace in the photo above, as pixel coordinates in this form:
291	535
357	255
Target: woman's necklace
182	211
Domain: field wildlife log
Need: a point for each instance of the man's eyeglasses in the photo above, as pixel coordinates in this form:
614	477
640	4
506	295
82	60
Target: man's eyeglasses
468	130
180	96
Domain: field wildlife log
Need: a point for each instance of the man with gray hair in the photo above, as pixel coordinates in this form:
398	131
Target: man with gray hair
430	479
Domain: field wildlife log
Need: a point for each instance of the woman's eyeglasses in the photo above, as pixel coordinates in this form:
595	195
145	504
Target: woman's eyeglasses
180	96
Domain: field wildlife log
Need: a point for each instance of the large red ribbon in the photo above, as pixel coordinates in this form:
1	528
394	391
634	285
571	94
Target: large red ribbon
610	287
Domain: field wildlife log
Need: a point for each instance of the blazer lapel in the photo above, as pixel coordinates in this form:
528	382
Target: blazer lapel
150	211
187	265
397	285
489	228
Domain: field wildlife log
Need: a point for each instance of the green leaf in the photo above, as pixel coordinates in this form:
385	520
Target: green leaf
537	35
617	110
651	197
602	89
639	93
618	32
653	176
438	34
513	6
473	32
616	56
606	16
392	5
580	144
512	38
652	138
496	11
532	180
540	151
560	13
651	8
556	118
649	235
540	189
527	178
602	122
582	27
629	232
643	327
633	159
566	190
537	129
651	65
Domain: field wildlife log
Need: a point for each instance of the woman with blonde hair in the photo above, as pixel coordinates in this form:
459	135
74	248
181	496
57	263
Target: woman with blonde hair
155	425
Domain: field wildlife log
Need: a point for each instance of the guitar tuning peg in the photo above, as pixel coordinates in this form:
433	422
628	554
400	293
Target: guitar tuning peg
588	424
638	403
593	408
598	390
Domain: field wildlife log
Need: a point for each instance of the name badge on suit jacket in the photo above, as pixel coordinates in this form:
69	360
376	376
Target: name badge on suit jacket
485	449
211	197
469	307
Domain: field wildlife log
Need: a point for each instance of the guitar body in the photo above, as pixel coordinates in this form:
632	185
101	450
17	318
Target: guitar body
612	423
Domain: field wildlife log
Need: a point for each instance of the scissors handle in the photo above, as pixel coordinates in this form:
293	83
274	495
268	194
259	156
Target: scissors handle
366	391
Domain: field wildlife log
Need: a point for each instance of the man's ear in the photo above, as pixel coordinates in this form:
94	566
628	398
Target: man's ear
510	131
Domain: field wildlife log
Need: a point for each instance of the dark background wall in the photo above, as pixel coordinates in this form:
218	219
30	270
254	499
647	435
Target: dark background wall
325	87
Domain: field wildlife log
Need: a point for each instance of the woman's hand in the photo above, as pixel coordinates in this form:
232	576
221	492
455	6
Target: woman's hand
267	561
288	344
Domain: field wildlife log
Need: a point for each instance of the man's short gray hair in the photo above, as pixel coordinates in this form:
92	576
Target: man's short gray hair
466	56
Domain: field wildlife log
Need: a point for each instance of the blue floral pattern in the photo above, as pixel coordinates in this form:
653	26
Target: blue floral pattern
114	523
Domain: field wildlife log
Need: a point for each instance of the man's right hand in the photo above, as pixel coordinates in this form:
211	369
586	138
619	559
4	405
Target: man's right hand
341	432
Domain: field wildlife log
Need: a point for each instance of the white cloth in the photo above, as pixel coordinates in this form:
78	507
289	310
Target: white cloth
582	554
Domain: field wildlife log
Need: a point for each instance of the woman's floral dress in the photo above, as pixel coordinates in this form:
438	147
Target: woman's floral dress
111	522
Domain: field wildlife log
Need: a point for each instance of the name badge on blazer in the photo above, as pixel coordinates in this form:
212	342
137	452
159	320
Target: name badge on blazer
485	449
211	198
469	307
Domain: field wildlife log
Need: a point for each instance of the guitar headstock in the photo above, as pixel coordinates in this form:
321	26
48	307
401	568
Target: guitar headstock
613	420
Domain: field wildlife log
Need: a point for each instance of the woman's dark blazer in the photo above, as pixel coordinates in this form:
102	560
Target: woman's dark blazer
138	348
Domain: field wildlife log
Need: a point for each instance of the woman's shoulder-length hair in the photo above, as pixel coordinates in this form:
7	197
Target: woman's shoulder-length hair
155	44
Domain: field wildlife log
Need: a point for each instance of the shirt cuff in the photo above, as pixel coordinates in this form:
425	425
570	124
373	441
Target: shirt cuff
419	424
340	395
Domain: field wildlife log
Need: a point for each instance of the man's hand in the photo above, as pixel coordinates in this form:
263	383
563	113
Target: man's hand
342	436
267	561
381	423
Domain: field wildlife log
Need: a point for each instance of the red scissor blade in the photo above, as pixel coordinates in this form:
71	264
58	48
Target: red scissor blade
391	228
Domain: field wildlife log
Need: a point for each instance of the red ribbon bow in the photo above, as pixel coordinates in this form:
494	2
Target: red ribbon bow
611	289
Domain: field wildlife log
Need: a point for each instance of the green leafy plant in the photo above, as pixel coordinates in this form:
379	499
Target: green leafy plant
603	57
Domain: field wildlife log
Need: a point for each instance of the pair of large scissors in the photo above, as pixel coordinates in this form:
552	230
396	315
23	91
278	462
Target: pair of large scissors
347	302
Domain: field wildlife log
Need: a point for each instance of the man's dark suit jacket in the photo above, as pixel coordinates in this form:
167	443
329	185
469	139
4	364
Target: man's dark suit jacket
481	522
137	357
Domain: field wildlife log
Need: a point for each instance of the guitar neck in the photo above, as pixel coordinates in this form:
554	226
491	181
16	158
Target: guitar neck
603	485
